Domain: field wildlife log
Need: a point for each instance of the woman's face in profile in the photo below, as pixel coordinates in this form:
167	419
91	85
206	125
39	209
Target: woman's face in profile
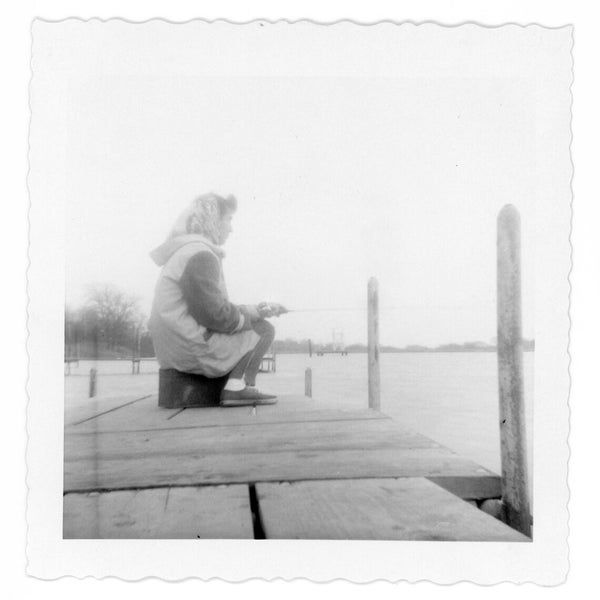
225	227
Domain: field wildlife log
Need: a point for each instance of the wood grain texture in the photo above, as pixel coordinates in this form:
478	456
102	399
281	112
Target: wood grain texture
515	478
165	513
311	436
133	414
146	415
391	509
470	488
78	411
259	452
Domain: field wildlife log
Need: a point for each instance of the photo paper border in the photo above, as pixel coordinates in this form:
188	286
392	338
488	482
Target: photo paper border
545	557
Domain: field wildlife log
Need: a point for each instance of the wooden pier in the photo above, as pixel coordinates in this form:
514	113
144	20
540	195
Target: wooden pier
299	469
295	470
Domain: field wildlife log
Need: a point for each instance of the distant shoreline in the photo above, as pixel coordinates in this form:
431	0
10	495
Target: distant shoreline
304	347
291	352
86	351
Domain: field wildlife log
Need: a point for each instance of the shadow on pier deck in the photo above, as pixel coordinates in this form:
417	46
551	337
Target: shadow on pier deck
296	470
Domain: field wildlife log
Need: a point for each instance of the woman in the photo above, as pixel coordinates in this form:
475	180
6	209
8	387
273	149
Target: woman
194	326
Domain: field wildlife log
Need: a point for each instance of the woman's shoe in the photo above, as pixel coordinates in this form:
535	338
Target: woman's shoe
249	396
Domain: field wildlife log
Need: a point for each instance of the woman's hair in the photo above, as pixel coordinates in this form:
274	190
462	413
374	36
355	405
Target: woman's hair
202	216
226	205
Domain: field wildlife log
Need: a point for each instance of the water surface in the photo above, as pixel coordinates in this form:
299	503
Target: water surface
449	397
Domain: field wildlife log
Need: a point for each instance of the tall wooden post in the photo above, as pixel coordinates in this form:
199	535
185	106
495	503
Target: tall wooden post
309	348
308	382
515	481
373	343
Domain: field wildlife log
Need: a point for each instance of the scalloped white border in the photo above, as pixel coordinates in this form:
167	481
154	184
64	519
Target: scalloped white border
83	558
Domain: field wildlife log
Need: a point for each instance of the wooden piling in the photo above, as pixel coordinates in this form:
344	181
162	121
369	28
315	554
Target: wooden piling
373	344
515	481
93	377
308	382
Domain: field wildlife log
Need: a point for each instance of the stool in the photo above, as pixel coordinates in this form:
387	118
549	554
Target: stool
180	390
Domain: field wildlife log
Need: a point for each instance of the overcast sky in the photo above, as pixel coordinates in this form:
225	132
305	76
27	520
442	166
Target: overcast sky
341	173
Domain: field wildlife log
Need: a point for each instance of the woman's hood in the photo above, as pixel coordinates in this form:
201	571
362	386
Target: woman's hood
163	253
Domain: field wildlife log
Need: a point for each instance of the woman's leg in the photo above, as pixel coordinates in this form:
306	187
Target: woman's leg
245	371
266	331
239	369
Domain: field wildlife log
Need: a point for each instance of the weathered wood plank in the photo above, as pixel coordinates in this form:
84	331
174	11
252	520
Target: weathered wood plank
165	513
301	408
203	447
77	411
470	488
390	509
376	434
196	468
143	415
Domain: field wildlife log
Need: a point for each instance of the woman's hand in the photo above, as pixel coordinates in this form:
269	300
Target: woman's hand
253	312
271	309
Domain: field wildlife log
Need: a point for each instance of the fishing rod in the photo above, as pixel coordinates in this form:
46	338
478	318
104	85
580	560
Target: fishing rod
275	310
295	310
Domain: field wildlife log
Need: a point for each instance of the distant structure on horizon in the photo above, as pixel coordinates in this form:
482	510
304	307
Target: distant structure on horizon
337	345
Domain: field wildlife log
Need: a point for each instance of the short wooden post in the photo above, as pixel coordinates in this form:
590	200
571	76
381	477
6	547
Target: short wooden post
515	481
93	375
309	348
373	344
308	382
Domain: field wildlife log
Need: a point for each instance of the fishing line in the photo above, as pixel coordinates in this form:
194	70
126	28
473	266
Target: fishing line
381	309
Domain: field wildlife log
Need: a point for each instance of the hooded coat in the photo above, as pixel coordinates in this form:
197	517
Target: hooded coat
194	326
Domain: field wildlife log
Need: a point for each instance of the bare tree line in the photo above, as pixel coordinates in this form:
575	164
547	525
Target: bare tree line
109	322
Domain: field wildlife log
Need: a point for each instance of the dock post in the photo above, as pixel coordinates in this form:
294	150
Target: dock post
93	374
309	348
308	382
515	481
373	344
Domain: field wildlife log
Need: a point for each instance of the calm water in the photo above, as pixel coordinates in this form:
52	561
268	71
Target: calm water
452	398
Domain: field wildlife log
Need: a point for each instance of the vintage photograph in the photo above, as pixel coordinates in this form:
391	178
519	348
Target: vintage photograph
306	276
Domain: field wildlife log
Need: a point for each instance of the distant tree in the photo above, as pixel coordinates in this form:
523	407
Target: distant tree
113	315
